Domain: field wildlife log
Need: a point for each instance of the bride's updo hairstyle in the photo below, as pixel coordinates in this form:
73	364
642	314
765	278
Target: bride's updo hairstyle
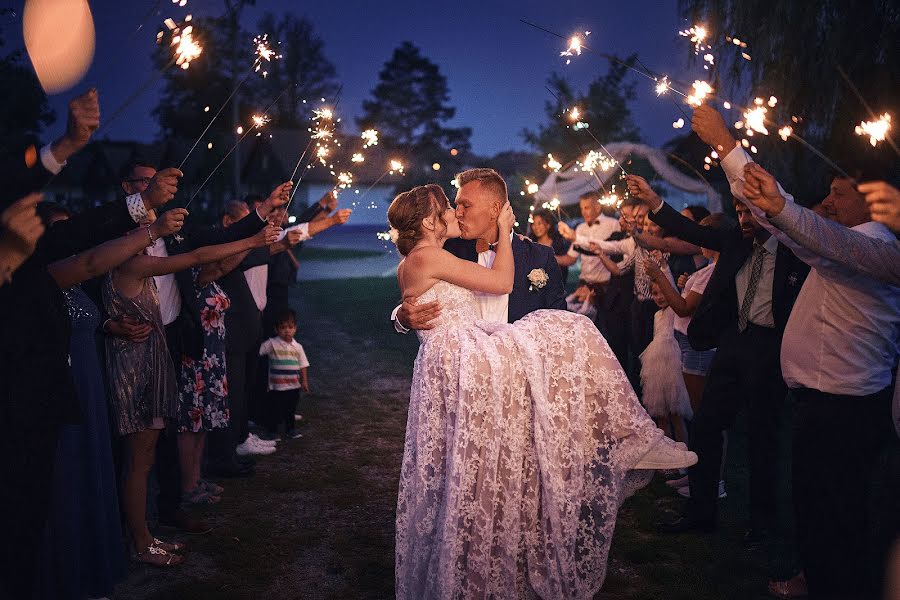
409	209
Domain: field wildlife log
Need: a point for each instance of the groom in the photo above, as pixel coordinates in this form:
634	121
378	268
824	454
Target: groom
538	281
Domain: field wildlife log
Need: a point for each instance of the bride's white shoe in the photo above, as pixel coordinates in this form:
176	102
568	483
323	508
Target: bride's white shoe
666	454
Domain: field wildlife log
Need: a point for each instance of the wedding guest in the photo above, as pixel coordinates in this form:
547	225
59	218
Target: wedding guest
37	395
664	395
742	313
839	355
84	513
684	257
142	377
287	375
596	227
616	303
581	301
544	230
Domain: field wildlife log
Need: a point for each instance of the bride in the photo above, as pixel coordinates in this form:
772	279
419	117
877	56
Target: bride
522	439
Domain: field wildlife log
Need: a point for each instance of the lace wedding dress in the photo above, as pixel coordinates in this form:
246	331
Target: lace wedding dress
519	444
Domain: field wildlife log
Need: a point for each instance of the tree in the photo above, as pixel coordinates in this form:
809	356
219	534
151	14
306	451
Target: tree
409	108
24	110
604	107
796	48
304	70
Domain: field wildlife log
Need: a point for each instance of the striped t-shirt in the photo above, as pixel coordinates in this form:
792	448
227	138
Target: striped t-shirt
285	361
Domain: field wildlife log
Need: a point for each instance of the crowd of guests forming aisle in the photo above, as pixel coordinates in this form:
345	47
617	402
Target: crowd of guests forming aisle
785	303
131	345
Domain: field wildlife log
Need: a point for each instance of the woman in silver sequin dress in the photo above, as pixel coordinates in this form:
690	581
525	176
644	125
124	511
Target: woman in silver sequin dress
142	377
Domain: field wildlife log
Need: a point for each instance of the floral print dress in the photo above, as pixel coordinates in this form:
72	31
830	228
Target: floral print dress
203	395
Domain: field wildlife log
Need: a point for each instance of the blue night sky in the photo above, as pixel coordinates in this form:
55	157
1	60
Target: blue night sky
496	66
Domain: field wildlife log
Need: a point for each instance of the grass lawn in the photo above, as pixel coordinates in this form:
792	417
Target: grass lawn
317	521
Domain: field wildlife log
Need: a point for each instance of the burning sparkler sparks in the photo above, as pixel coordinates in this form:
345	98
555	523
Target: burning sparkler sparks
876	130
370	137
595	160
357	157
344	180
575	47
574	113
662	86
264	52
322	114
755	118
610	199
260	120
397	166
186	47
678	124
697	35
785	132
552	164
532	188
701	89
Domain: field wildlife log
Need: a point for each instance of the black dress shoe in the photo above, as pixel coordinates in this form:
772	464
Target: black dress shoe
685	525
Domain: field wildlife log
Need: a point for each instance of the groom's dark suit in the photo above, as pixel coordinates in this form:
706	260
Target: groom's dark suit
528	256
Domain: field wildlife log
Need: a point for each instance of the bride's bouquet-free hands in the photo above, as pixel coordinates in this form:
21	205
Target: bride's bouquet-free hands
506	221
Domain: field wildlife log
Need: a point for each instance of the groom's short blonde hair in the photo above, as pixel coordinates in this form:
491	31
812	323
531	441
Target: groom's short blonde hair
488	178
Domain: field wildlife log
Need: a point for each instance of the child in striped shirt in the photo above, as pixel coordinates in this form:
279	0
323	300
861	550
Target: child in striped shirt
287	374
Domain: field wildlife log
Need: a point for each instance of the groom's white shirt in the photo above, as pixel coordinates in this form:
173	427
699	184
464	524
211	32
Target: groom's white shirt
491	307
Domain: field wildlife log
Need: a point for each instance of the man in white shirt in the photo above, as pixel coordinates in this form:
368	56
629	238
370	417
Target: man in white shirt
839	351
596	227
838	356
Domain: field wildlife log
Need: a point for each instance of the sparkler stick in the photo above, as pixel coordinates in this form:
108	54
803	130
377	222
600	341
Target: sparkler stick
865	104
258	121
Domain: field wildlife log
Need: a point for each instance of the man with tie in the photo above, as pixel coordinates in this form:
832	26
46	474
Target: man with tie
743	313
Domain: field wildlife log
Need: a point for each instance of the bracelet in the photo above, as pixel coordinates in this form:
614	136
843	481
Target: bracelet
150	235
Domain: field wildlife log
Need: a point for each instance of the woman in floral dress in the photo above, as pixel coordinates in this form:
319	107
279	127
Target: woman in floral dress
203	395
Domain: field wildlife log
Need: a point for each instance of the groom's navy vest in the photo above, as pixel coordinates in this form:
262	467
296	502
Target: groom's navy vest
528	256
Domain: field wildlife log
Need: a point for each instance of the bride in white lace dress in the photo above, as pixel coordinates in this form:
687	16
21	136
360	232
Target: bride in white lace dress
522	439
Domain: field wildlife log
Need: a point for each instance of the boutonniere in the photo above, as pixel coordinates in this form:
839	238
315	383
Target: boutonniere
178	238
537	278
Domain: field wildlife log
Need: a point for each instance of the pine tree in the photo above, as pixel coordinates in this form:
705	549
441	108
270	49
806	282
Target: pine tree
409	107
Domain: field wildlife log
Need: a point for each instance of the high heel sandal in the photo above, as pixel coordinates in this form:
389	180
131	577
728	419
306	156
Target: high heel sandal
157	557
169	547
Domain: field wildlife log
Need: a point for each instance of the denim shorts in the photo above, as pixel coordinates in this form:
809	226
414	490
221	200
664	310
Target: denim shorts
693	362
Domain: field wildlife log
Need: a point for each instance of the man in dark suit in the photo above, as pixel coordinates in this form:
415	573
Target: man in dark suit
481	196
743	313
37	393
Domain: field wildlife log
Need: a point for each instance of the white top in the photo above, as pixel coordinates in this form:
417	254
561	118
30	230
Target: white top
303	228
491	307
167	288
592	268
842	335
257	280
696	283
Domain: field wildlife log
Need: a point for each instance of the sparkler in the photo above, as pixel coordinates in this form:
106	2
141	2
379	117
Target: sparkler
755	118
357	158
552	164
701	89
662	86
876	130
370	138
575	47
697	35
865	104
785	132
262	52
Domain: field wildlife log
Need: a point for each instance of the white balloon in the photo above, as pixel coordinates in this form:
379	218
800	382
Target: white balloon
59	37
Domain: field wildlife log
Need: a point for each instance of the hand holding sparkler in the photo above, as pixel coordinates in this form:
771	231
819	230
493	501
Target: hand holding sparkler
84	120
278	198
265	236
884	202
161	188
566	231
710	127
341	216
640	189
761	189
169	222
328	202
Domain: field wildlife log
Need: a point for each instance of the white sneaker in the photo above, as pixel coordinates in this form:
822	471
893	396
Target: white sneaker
259	441
248	448
665	455
685	492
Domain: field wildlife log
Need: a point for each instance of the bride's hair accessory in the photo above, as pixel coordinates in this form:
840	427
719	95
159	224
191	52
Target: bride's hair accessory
538	279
